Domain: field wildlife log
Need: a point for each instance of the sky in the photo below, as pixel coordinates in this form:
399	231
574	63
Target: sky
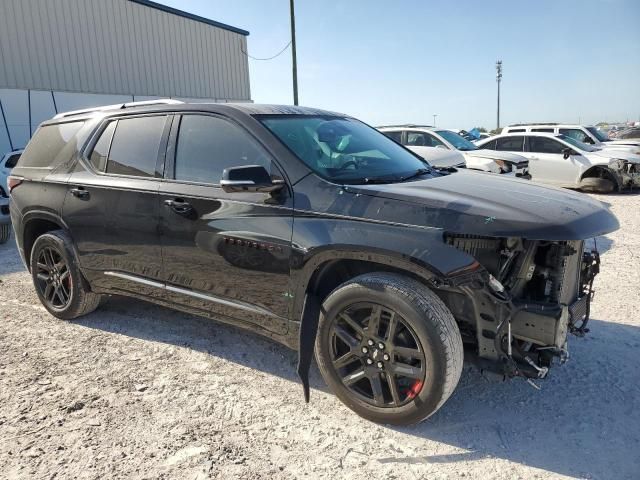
403	61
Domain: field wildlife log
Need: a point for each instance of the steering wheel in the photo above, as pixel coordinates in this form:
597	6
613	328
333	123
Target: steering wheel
347	164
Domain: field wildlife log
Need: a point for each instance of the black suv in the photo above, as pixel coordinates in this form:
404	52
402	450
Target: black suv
314	229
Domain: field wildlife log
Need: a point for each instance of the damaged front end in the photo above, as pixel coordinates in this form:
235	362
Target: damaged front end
627	173
524	300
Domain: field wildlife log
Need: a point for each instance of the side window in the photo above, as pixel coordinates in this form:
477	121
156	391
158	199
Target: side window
434	141
207	145
101	149
421	139
510	144
417	139
135	145
397	136
545	145
576	134
489	145
12	160
516	130
544	130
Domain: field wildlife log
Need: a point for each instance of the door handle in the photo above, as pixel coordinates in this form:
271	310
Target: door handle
179	206
79	192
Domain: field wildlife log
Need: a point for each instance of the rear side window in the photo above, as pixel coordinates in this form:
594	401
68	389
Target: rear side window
135	145
545	145
12	160
420	139
489	145
397	136
47	144
207	145
101	149
510	144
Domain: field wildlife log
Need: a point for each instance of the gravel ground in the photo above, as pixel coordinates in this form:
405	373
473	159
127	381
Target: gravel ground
138	391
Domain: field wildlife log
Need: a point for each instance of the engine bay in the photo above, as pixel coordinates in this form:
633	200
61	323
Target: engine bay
541	291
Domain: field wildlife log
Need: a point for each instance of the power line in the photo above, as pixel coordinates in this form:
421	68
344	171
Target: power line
268	58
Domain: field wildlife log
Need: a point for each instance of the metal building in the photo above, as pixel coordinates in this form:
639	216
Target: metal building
58	55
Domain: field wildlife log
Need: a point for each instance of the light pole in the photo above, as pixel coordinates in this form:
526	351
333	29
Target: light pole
434	119
294	62
498	79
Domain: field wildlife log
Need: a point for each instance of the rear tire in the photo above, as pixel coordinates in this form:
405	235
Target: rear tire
5	233
411	372
57	279
597	185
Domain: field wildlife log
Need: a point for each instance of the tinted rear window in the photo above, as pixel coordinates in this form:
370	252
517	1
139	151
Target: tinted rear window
47	144
489	145
397	136
135	146
545	145
510	144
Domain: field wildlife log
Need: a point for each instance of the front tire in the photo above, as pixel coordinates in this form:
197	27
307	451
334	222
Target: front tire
5	233
389	348
597	185
57	278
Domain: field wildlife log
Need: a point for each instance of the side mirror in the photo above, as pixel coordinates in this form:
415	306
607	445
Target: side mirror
441	146
249	178
567	152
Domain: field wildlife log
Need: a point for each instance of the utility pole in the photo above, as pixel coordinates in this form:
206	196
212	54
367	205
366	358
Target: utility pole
293	52
434	119
498	79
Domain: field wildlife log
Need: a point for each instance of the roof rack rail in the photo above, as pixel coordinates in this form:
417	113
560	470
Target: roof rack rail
409	125
535	123
118	106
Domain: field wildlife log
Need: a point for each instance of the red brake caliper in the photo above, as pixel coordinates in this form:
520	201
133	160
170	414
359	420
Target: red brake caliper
414	389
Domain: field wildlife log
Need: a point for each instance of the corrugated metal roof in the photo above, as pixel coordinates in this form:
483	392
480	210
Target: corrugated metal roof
190	16
119	47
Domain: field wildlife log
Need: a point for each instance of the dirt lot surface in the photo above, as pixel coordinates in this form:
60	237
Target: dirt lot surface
138	391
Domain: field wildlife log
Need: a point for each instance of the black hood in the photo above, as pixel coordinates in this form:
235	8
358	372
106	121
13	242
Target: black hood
494	205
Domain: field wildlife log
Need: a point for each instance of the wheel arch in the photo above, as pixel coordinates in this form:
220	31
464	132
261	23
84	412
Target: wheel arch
602	171
35	224
325	271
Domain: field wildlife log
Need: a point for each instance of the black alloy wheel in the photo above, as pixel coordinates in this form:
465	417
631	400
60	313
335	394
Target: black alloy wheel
377	355
57	278
54	279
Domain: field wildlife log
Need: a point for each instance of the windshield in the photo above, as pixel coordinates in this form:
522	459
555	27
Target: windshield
599	134
459	142
578	144
344	150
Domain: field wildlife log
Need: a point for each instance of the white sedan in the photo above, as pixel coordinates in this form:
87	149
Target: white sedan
563	161
445	148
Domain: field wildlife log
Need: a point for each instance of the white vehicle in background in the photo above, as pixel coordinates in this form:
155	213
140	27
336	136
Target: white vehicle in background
7	163
414	138
589	135
438	146
561	160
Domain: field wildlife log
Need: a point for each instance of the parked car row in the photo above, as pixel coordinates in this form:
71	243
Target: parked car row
318	231
561	160
445	148
589	135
